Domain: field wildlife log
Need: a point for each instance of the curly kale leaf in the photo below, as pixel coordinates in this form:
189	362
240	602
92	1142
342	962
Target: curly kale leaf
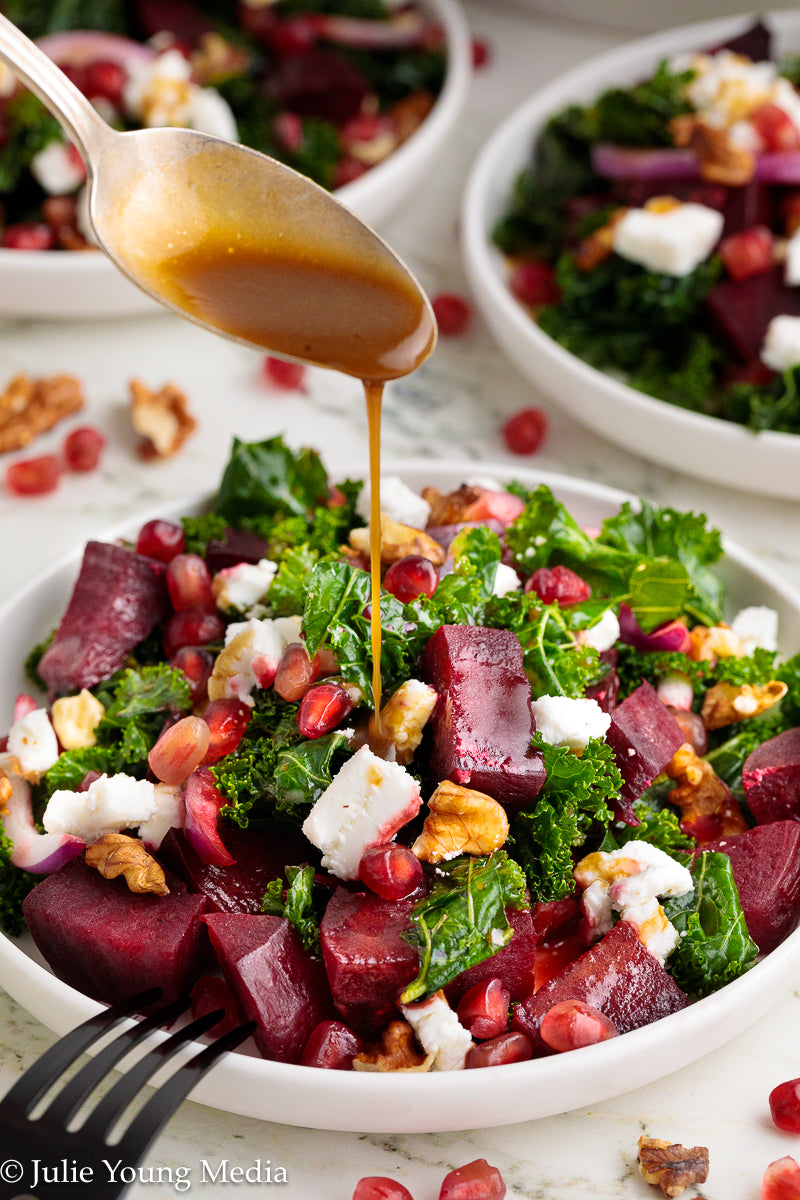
659	826
29	127
641	115
774	405
303	771
135	703
268	479
300	902
69	769
555	664
245	777
14	887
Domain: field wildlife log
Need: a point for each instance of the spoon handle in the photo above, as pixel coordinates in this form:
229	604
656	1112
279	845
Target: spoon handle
83	123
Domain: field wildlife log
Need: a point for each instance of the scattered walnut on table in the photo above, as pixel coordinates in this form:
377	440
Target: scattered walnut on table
670	1166
29	407
162	419
397	1051
460	821
117	854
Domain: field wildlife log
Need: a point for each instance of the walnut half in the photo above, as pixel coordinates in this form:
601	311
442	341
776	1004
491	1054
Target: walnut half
29	407
117	854
162	419
670	1166
460	821
397	1051
725	703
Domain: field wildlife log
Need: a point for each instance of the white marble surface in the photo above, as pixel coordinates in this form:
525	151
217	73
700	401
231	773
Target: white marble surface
453	407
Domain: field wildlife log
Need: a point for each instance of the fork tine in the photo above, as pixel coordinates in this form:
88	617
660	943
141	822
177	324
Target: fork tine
160	1107
55	1061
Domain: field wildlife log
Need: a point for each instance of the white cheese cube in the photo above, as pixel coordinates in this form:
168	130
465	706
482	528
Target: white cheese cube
672	242
365	804
32	741
603	634
110	804
253	643
792	266
563	721
781	349
398	501
439	1032
58	169
756	626
170	813
660	875
506	580
210	113
242	586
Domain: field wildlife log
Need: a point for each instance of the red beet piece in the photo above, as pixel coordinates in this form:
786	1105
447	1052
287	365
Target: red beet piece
111	943
766	868
771	779
513	965
278	984
367	961
755	43
238	545
483	724
118	598
740	310
618	976
644	736
332	1046
320	83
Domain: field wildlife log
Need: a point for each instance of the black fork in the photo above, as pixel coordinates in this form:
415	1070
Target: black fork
44	1148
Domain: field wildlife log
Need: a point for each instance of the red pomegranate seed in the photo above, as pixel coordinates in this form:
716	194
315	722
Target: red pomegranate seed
28	235
189	583
60	210
191	627
525	431
211	993
453	313
105	78
558	585
390	871
378	1187
693	726
483	1010
333	1046
23	705
480	53
410	577
781	1180
533	282
33	476
83	448
500	1051
197	665
161	540
227	721
322	708
474	1181
287	127
571	1024
784	1104
347	170
280	373
296	672
295	35
747	253
180	749
775	127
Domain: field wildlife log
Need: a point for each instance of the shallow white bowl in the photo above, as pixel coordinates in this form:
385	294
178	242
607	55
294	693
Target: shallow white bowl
707	447
439	1101
64	285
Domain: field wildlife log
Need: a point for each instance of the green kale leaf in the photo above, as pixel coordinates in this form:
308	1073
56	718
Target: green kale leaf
69	769
135	703
774	405
268	479
28	128
641	115
303	771
245	777
14	887
301	902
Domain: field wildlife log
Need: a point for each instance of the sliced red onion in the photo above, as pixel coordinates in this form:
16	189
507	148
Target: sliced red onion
776	167
670	165
203	802
399	33
672	636
39	853
79	47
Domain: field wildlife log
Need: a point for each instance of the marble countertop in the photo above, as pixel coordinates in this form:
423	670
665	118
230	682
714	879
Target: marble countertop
453	408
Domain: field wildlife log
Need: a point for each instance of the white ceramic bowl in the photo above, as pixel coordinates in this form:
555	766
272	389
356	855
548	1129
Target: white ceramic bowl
439	1101
707	447
639	15
59	284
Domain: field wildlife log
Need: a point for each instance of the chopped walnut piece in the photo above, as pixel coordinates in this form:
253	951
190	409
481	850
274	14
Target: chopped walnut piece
397	1051
708	807
670	1166
404	716
215	60
162	419
6	791
454	507
398	541
75	719
719	159
727	703
29	407
708	643
599	244
117	854
460	821
409	113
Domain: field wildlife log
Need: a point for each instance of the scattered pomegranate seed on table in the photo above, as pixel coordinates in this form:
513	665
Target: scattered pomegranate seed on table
784	1104
781	1180
476	1180
83	448
481	53
288	376
453	313
525	431
378	1187
33	476
390	871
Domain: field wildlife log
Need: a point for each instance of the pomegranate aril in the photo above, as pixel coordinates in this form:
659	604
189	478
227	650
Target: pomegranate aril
179	751
784	1105
474	1181
23	705
775	127
332	1046
189	583
161	539
500	1051
296	672
264	668
105	78
411	577
295	35
747	253
378	1187
480	53
693	726
390	871
525	431
283	374
453	313
347	170
571	1024
33	476
191	627
227	721
28	236
197	665
322	708
287	128
83	448
781	1180
534	282
211	993
483	1010
558	585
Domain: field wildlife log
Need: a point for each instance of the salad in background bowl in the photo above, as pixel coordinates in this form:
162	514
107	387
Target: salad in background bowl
632	247
576	595
358	96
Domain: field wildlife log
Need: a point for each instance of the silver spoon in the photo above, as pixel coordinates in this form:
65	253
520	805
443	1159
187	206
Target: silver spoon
237	241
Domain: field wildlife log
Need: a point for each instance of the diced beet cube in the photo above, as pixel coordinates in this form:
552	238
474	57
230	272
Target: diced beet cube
513	965
644	736
238	545
367	960
617	975
279	985
118	598
111	943
320	83
482	727
766	868
748	205
755	43
184	19
606	689
771	778
741	310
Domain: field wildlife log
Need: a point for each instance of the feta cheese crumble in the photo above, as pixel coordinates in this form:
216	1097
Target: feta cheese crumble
242	586
506	580
110	804
439	1032
781	348
756	626
32	741
565	722
603	634
672	242
398	502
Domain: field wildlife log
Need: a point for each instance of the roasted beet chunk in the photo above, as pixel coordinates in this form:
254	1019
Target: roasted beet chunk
238	545
771	778
644	736
118	598
740	310
618	976
513	965
483	723
320	83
